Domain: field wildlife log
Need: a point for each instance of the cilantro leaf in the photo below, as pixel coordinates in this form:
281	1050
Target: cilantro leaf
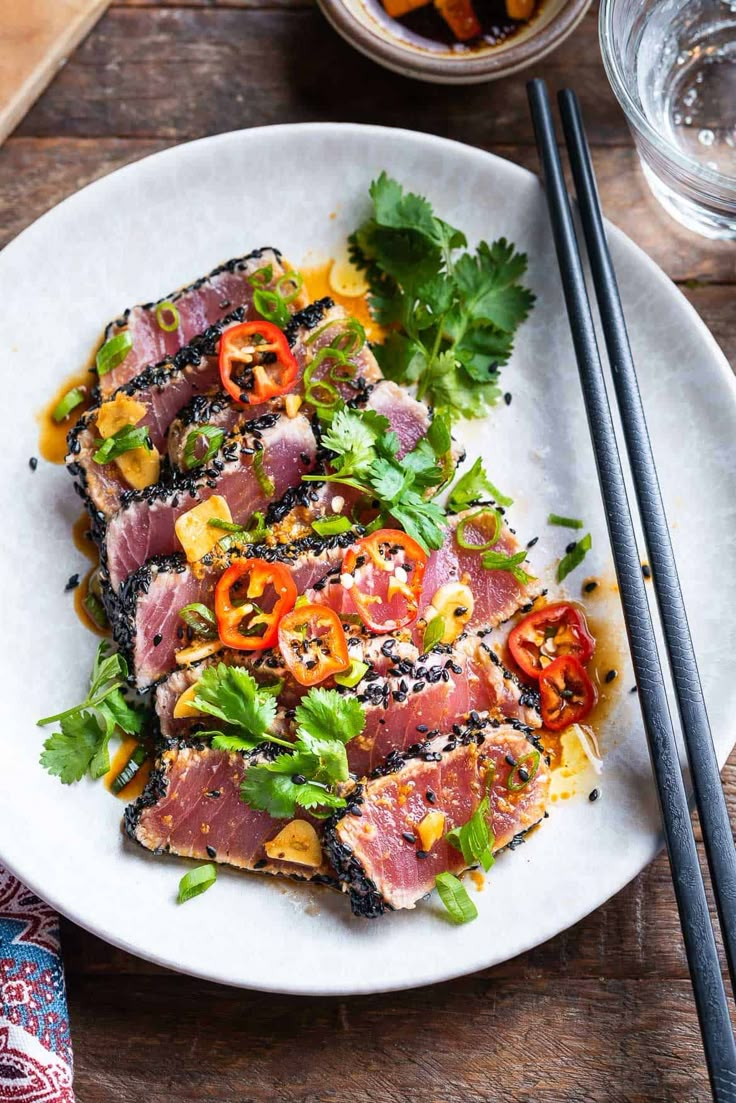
452	318
67	754
473	487
352	437
232	695
326	720
324	712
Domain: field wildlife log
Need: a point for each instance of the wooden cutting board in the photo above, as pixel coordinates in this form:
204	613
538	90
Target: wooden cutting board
36	38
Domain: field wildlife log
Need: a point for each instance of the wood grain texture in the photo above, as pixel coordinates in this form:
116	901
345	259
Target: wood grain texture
600	1014
36	37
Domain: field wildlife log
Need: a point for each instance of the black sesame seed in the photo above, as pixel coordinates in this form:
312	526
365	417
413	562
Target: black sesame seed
507	398
611	675
571	546
422	854
532	542
214	793
157	639
355	811
594	794
260	863
523	773
211	852
431	796
590	586
72	583
409	836
422	728
634	689
511	760
33	463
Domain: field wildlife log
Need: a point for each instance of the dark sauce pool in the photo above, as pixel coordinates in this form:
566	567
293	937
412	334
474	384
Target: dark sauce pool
425	26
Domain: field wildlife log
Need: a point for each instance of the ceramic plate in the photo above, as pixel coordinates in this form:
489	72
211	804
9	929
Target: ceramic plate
160	223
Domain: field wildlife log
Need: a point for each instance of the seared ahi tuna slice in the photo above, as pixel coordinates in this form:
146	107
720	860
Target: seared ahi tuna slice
206	301
404	696
145	615
309	332
161	390
191	806
376	846
408	418
496	594
144	527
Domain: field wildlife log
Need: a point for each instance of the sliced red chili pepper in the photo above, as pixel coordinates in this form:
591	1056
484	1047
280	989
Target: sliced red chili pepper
546	634
567	693
313	643
251	597
387	569
256	362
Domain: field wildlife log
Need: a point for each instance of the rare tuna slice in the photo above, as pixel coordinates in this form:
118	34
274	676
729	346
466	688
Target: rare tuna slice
377	844
158	330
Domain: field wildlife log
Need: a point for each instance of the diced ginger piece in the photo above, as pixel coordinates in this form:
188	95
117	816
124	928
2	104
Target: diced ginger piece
184	709
519	9
454	602
431	829
140	467
292	402
118	413
200	649
297	843
196	536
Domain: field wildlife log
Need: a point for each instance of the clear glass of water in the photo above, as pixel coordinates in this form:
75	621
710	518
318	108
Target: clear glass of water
672	65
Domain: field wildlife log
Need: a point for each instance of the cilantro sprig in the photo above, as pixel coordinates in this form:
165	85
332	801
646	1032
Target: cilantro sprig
452	318
246	709
475	486
310	775
81	744
365	457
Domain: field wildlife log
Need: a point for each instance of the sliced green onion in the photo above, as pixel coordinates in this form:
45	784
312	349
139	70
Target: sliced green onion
565	522
113	352
196	882
200	619
331	526
271	306
262	276
96	611
296	279
266	484
130	769
574	557
515	781
214	438
351	338
484	511
433	633
73	398
125	440
226	526
454	896
354	675
322	392
174	321
499	561
475	839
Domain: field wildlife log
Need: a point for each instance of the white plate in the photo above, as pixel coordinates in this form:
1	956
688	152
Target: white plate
163	221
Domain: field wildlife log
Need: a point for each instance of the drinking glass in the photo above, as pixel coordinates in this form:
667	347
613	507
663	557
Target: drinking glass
672	66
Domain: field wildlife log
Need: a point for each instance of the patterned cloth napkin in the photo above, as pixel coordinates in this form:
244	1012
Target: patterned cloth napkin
35	1047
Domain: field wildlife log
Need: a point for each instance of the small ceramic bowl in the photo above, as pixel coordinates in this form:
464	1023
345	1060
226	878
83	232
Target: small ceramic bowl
367	27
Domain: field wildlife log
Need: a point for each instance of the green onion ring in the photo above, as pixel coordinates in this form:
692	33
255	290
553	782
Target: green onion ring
514	786
460	530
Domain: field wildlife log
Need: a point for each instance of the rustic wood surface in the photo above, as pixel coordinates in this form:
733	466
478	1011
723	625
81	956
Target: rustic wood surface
604	1011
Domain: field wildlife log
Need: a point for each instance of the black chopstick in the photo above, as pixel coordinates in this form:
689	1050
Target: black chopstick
709	796
699	939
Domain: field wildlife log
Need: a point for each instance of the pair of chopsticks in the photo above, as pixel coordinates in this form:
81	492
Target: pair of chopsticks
699	939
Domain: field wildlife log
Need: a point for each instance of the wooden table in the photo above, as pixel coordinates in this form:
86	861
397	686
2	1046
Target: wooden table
603	1012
